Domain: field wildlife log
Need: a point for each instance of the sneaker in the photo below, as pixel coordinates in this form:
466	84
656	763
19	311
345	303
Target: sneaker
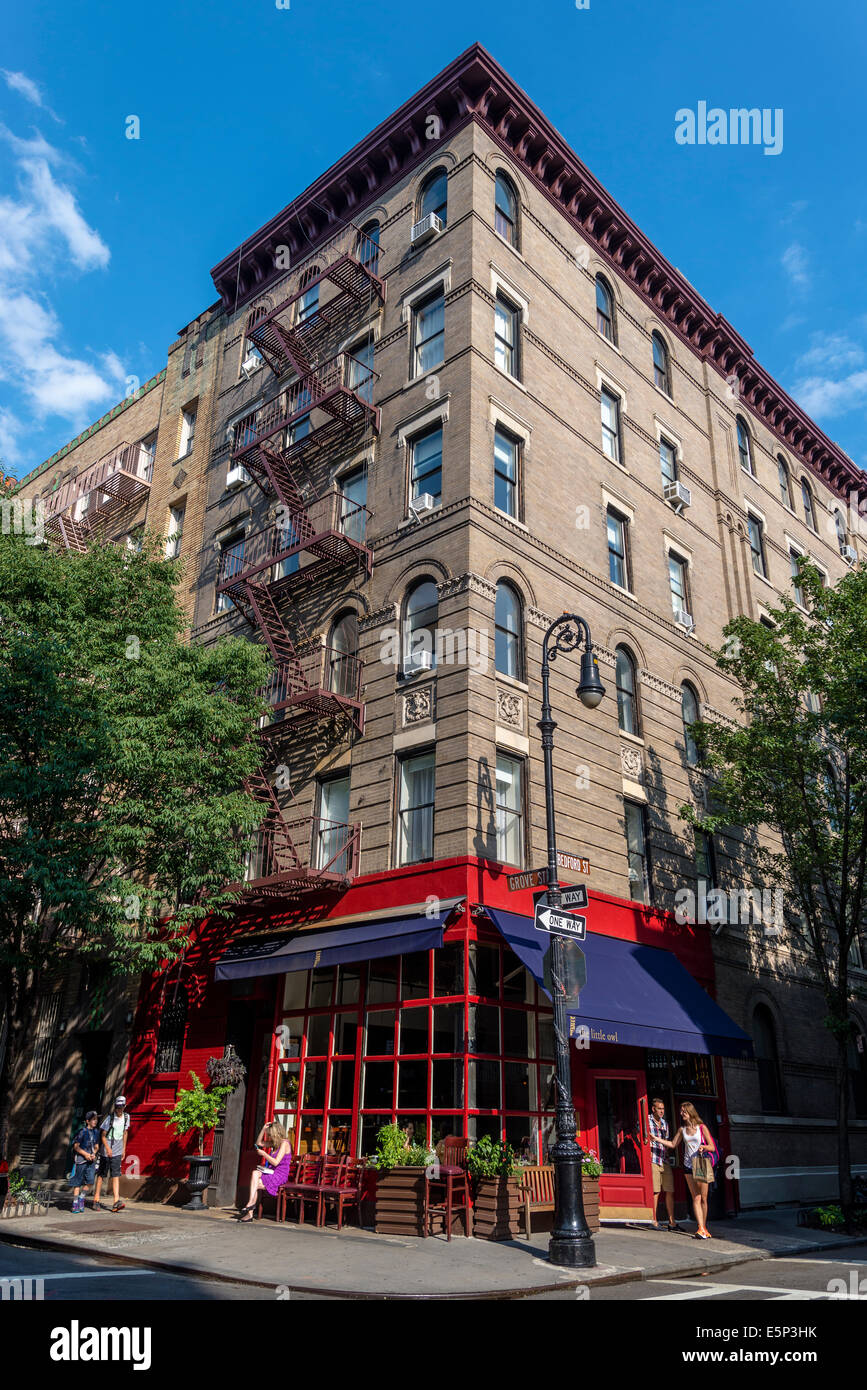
118	1206
97	1206
75	1206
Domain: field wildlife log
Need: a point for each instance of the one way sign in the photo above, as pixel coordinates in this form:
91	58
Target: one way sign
560	923
576	896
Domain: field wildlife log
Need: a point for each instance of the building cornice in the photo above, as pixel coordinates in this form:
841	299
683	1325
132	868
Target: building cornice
475	87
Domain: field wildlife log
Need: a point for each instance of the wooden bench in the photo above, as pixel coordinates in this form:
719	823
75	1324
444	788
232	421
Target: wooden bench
537	1185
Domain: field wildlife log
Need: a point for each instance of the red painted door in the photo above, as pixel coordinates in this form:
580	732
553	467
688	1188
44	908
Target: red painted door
619	1134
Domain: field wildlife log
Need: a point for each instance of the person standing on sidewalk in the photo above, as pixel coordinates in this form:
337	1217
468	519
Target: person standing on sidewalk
698	1148
85	1147
662	1165
114	1130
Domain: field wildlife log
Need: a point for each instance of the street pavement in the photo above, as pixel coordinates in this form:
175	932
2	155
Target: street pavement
211	1248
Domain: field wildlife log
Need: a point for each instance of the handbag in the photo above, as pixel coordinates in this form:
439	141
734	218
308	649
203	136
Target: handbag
702	1168
711	1142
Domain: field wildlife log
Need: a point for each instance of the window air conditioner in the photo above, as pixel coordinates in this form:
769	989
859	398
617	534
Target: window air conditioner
684	619
425	502
250	363
237	476
677	494
419	661
849	553
425	230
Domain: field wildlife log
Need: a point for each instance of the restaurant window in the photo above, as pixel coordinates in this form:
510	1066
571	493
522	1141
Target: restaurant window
636	852
172	1030
767	1061
415	815
508	625
506	209
627	705
510	811
432	1040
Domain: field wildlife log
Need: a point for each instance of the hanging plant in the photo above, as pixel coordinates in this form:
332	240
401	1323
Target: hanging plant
228	1070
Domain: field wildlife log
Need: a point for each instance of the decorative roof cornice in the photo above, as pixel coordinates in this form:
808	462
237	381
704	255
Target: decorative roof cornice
475	87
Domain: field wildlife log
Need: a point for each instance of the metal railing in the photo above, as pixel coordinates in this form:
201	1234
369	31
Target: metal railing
319	677
323	849
342	385
333	525
127	462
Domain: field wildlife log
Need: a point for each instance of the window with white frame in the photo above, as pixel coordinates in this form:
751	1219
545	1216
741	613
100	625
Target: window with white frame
795	557
188	431
610	412
231	563
745	450
636	851
332	831
426	464
361	369
618	552
677	581
510	810
755	531
506	343
667	461
507	454
146	457
308	304
415	814
175	532
428	333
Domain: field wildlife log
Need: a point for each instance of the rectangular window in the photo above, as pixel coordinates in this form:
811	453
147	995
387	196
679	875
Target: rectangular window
134	539
610	408
510	811
426	471
757	545
231	563
705	865
677	583
428	335
618	560
506	472
175	532
353	516
188	431
416	780
333	827
361	369
506	320
667	462
794	557
147	454
308	304
44	1038
636	851
244	431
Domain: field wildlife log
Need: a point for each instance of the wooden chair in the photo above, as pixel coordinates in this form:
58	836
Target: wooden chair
454	1179
344	1192
537	1184
302	1187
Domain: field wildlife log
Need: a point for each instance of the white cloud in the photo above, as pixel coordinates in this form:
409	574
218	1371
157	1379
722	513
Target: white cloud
830	352
43	234
794	263
822	397
25	87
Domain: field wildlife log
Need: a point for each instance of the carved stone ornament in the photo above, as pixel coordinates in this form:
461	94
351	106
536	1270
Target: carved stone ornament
510	709
631	763
418	705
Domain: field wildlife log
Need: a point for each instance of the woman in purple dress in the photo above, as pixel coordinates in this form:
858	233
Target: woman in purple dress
274	1169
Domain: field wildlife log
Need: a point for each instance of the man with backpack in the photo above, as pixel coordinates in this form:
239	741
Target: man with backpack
85	1148
113	1132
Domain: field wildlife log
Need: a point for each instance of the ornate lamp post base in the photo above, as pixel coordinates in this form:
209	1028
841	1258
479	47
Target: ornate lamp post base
571	1243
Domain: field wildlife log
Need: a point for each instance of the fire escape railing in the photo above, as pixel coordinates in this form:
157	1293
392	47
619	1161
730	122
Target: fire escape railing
332	529
323	682
75	512
342	387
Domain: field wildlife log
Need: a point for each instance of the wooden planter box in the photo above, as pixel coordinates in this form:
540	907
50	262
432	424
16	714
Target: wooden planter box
497	1209
590	1192
12	1210
398	1207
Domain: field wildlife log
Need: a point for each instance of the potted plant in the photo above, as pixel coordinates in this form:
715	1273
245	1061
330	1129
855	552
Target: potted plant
591	1171
497	1189
400	1178
197	1111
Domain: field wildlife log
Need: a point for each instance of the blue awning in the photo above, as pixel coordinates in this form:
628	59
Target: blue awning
640	996
305	949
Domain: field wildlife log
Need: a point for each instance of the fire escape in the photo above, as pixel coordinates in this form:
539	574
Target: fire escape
312	538
78	512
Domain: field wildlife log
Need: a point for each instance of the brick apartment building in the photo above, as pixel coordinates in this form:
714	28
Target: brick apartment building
448	394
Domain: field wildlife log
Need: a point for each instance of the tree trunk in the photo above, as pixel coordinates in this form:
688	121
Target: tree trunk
19	1008
844	1161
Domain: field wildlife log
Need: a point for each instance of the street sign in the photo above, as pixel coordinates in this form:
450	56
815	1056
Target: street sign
576	896
560	923
575	862
533	878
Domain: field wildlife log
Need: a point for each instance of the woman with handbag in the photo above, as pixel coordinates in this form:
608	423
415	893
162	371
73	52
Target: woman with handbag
699	1158
274	1167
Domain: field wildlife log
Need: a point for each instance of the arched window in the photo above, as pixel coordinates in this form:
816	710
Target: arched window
605	310
767	1061
434	196
661	367
689	710
506	209
342	655
508	654
419	628
627	704
172	1029
840	528
785	482
368	246
745	449
809	505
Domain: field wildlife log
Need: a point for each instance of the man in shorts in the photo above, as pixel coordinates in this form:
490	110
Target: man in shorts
85	1147
663	1172
113	1132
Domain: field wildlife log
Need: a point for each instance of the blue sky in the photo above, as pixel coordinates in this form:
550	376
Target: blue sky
106	243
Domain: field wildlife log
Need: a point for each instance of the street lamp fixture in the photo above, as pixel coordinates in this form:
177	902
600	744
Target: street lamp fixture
571	1243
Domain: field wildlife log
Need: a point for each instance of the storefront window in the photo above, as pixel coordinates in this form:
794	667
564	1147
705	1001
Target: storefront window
451	1041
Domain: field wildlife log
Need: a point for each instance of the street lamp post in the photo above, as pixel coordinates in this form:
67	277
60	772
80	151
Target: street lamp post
571	1243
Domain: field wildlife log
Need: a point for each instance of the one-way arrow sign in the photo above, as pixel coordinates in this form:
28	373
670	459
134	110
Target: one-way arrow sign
560	923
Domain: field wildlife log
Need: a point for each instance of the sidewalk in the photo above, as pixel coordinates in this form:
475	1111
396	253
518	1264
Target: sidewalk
360	1264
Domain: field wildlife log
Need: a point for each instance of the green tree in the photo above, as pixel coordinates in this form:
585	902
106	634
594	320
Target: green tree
123	752
795	764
